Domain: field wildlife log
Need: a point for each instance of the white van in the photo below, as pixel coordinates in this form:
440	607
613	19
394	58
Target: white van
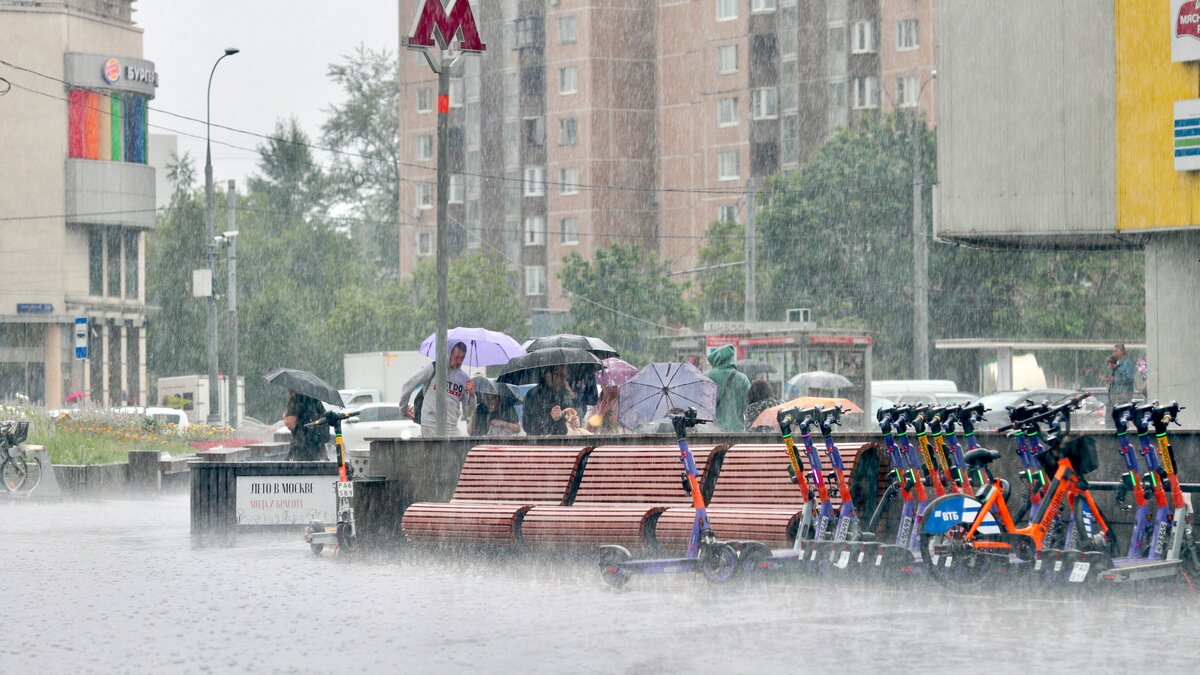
893	389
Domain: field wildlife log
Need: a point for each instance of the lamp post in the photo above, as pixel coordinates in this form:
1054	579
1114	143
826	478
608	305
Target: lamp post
211	252
920	253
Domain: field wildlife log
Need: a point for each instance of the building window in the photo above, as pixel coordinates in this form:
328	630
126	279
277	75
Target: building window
568	80
729	165
568	183
837	94
726	10
456	92
907	34
866	92
113	257
534	129
765	103
425	195
425	147
764	158
535	181
529	31
531	81
132	271
762	6
535	231
425	100
570	231
424	244
727	213
864	37
96	261
535	280
458	189
568	131
727	59
907	91
837	39
727	113
567	31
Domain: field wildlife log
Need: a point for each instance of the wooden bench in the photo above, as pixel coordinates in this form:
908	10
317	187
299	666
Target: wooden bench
623	489
753	497
496	486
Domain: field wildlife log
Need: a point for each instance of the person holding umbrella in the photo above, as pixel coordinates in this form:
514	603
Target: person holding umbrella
545	404
308	443
456	394
494	413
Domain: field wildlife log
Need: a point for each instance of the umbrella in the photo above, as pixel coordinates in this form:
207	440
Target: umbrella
525	369
485	385
751	368
768	417
591	344
662	387
484	347
617	371
304	382
819	379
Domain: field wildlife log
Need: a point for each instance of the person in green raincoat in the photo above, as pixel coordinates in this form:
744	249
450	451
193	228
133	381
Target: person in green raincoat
733	388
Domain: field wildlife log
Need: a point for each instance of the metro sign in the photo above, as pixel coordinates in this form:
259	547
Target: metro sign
445	24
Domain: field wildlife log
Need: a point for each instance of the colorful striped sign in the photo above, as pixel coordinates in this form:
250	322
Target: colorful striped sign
112	126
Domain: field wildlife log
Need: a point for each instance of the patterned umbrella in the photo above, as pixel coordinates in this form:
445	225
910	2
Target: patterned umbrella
660	388
484	347
617	371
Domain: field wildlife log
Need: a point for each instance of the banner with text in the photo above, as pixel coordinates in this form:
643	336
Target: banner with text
286	500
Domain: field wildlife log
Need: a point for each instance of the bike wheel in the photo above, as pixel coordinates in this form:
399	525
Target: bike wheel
610	559
719	563
33	475
952	559
1098	541
14	472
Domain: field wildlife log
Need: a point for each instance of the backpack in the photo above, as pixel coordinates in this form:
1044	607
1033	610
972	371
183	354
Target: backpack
419	402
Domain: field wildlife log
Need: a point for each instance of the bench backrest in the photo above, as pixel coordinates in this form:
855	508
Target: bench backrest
758	474
639	474
527	473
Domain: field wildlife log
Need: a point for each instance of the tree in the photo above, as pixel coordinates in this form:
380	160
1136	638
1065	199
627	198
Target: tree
625	297
722	290
366	164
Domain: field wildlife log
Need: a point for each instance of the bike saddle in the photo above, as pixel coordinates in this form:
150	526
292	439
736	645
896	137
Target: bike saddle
980	457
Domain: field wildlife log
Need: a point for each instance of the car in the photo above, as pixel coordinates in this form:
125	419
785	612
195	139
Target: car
172	417
936	399
996	403
377	420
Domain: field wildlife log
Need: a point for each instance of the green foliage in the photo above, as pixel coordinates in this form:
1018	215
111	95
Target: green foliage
722	291
836	236
625	297
366	124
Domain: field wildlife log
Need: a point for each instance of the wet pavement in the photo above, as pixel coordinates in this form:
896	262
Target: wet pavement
119	586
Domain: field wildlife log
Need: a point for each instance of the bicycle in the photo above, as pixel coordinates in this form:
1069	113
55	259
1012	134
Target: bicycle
20	473
963	538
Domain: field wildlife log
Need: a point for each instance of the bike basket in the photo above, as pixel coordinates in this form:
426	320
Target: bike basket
1081	452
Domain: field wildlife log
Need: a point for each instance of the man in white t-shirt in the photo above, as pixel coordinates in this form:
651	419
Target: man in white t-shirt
459	393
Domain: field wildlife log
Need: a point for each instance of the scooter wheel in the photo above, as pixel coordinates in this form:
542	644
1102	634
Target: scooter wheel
347	540
952	560
719	563
610	559
754	554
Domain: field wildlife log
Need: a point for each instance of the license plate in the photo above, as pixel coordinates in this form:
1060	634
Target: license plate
1079	572
345	490
843	560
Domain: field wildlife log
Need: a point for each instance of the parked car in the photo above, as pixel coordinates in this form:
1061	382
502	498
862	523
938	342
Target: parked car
377	420
166	416
998	401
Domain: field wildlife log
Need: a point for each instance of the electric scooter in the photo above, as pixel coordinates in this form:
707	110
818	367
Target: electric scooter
342	536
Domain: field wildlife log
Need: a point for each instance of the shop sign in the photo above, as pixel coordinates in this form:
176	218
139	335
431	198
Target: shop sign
1185	30
1186	135
839	340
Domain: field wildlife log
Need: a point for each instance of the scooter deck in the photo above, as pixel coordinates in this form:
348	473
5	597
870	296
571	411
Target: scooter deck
1141	571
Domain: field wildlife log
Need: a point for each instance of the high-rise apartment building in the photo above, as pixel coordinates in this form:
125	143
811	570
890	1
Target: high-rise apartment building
588	123
76	199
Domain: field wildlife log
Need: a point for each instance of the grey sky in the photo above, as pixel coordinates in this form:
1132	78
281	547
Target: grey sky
286	46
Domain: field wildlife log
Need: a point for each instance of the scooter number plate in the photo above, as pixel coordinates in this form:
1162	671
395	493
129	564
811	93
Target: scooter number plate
1079	572
345	489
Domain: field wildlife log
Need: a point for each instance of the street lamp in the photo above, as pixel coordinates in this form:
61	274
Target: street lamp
920	254
211	252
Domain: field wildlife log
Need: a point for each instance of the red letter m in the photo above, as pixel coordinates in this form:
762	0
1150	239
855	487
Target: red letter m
453	21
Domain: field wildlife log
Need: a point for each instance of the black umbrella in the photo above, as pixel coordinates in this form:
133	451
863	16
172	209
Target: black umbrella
590	344
304	382
750	368
525	369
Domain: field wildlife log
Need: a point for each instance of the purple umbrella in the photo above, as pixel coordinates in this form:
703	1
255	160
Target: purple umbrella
662	387
484	347
617	371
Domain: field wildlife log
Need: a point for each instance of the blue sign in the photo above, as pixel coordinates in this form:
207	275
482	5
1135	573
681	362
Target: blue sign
34	308
81	337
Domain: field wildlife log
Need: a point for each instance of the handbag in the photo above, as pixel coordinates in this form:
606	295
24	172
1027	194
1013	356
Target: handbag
419	401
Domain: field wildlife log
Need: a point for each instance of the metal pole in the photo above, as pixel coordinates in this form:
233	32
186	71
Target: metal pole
920	266
443	186
231	208
210	246
751	309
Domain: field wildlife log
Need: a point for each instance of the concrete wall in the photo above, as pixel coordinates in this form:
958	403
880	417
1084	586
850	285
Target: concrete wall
1172	315
122	190
1027	131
